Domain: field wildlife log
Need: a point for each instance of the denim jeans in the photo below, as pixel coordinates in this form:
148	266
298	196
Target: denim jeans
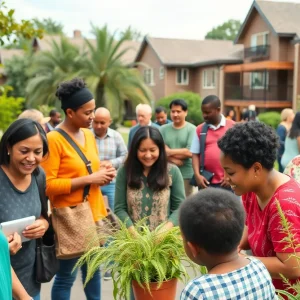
37	297
109	191
64	280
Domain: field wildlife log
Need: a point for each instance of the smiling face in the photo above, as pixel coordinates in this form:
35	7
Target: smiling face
241	180
147	153
26	155
84	115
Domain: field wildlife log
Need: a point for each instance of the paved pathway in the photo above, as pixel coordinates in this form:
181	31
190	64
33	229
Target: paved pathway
107	290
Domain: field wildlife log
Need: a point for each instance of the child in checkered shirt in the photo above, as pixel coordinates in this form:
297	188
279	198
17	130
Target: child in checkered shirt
212	223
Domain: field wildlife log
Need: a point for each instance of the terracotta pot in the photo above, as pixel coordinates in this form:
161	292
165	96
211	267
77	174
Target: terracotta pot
167	291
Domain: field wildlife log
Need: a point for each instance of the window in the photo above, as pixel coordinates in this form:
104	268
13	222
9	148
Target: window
258	80
209	79
260	39
161	73
182	76
148	76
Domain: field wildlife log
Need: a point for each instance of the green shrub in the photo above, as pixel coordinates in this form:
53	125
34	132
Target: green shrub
10	108
127	123
271	118
193	101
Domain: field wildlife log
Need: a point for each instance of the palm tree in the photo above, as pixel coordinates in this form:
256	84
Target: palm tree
109	78
48	69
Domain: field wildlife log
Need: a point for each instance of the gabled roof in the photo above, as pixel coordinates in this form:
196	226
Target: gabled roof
44	44
283	18
192	53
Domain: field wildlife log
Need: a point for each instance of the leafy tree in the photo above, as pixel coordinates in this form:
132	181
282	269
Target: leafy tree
226	31
11	29
17	75
193	101
49	26
48	69
111	80
10	108
131	34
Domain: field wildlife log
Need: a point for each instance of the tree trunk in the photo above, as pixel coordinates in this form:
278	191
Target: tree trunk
100	96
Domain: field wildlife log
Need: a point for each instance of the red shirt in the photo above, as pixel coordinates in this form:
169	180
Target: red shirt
264	226
212	152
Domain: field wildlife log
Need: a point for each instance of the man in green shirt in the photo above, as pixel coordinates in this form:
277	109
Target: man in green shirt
178	138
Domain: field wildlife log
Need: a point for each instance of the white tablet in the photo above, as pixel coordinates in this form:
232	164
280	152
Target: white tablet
18	226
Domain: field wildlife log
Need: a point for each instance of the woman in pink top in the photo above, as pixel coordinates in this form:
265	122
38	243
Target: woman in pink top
248	153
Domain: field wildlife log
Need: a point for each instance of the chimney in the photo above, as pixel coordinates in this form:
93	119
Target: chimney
77	34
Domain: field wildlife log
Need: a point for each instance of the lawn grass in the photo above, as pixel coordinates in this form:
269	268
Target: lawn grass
125	137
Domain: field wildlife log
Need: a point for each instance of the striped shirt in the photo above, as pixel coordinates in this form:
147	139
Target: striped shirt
112	147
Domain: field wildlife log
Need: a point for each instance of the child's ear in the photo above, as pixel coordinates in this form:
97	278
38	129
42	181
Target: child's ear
194	249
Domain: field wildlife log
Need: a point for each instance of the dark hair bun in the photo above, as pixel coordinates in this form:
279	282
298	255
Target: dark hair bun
68	88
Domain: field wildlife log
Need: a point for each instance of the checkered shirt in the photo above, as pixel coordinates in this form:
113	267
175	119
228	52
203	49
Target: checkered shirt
112	147
250	282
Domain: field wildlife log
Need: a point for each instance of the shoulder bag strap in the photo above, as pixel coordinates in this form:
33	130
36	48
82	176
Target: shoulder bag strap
82	156
203	134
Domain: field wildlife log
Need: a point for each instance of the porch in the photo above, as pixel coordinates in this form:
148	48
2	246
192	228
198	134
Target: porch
266	84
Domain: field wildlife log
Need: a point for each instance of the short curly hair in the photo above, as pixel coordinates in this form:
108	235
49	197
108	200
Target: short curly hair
247	143
68	88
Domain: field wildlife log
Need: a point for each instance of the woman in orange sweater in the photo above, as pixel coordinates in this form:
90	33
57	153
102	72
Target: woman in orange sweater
66	175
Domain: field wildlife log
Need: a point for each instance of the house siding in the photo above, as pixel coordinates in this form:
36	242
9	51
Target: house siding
286	49
152	61
171	85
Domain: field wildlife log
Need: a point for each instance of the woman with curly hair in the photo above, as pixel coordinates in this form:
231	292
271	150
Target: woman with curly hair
67	175
248	153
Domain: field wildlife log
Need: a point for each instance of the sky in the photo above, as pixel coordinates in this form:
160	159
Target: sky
185	19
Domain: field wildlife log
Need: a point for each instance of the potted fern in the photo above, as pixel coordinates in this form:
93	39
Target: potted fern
150	261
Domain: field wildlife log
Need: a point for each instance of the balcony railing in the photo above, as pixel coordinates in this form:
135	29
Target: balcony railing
257	53
270	93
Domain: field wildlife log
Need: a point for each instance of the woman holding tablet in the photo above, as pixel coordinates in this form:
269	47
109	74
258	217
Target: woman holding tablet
22	148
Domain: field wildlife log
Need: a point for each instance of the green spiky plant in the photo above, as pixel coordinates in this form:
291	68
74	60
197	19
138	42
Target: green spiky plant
291	243
148	256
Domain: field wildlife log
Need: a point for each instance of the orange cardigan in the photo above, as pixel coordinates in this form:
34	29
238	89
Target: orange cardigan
62	164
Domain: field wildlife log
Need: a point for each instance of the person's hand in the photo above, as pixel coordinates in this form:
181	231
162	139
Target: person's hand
105	164
14	242
176	162
202	182
225	183
103	176
36	230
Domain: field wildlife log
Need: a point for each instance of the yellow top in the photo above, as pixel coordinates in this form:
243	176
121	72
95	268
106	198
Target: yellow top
63	163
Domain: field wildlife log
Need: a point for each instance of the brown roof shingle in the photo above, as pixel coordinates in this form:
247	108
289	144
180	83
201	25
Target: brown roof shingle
175	52
44	44
283	16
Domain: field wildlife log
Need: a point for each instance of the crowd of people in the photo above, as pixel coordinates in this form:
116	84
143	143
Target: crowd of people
152	177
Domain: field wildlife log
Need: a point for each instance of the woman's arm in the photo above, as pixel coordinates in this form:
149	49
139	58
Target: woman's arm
285	264
244	244
121	208
18	291
177	195
60	186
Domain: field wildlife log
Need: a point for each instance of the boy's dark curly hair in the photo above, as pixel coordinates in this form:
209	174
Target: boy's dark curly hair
247	143
68	88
